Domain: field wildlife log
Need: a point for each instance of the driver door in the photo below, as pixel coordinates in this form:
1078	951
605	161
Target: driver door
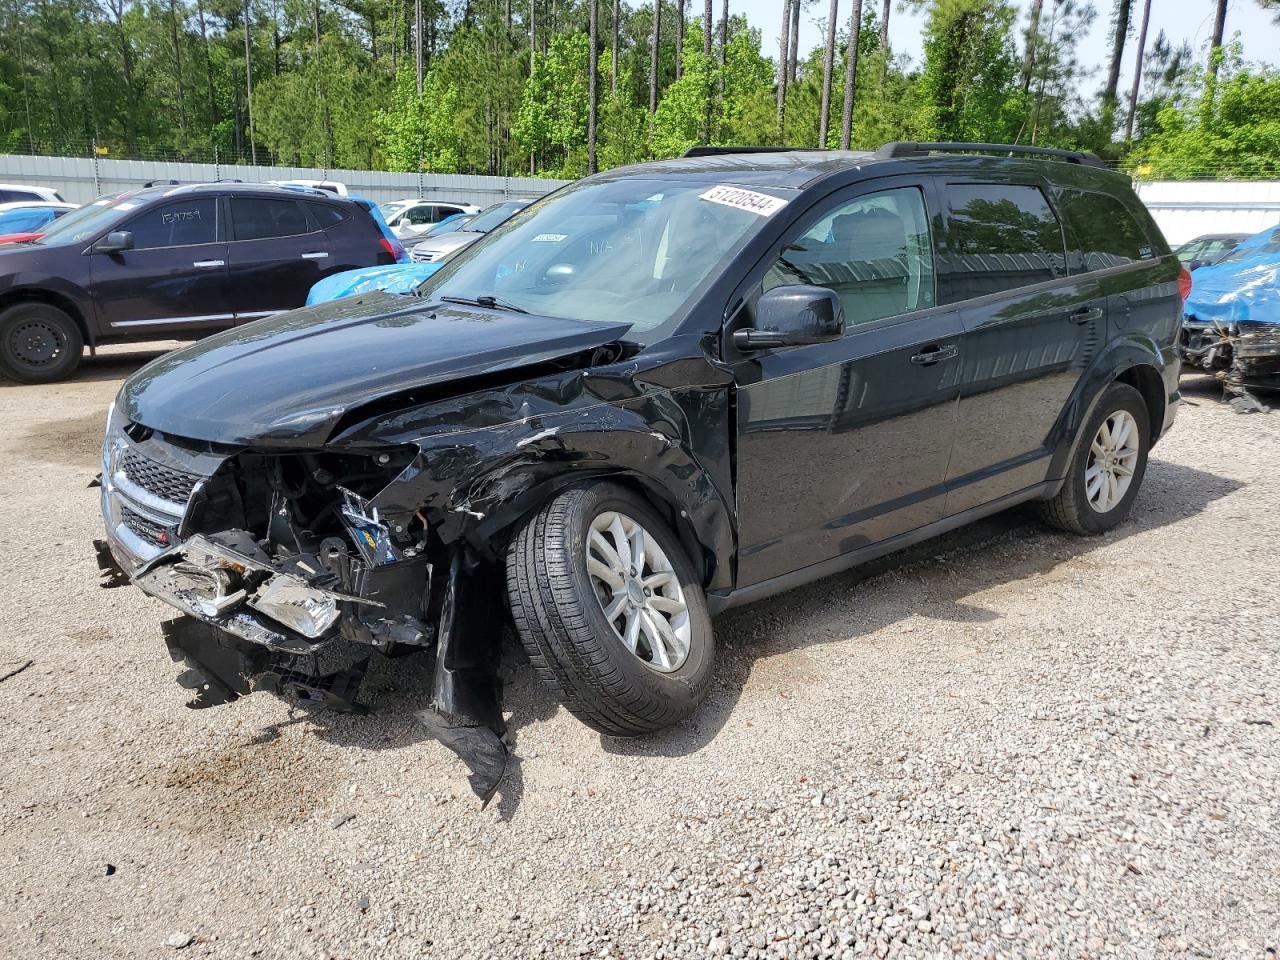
845	444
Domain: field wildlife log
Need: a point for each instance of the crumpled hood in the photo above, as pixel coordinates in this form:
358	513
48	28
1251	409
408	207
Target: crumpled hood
289	379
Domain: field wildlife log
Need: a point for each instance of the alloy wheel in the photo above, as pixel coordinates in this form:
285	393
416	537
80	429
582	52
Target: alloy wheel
1113	457
639	591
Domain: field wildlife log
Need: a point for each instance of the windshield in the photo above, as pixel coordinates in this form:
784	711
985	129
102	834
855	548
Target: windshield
486	220
88	221
633	251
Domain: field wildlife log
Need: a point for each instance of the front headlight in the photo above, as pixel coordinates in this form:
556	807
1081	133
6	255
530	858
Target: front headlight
112	440
297	606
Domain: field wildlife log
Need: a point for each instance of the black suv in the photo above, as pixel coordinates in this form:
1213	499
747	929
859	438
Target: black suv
660	392
173	262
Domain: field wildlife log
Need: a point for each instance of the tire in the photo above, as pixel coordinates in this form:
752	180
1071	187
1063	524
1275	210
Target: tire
1082	508
38	343
559	613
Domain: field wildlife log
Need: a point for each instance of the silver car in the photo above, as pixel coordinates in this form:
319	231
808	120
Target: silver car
434	248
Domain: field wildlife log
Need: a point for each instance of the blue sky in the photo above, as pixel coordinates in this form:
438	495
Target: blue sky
1180	19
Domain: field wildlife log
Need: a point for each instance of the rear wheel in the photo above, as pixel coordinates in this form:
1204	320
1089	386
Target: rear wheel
1108	466
610	611
38	343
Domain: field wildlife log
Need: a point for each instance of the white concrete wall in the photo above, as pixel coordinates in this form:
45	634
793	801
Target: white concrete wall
1187	209
80	180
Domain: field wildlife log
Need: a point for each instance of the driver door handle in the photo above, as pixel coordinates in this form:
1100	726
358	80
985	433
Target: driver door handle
1086	315
315	255
210	263
935	353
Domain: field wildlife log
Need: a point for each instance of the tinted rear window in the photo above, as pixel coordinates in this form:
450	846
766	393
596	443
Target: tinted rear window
1000	236
256	218
12	196
326	215
1103	232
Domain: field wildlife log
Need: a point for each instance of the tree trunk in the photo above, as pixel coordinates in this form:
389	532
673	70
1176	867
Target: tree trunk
680	15
1032	43
1219	28
1120	33
177	68
724	38
248	84
533	36
653	57
593	93
417	42
708	27
1137	71
126	66
794	59
828	65
884	28
208	66
850	74
784	47
613	64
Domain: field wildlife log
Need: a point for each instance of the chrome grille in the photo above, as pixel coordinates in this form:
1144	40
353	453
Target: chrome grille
157	479
144	527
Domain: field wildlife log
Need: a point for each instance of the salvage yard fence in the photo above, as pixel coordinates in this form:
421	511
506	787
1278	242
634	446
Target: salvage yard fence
81	179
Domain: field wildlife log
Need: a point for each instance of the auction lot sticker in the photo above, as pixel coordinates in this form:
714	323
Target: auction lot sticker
740	199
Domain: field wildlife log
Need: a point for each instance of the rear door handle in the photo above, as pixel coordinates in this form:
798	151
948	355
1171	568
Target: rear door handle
1086	315
315	255
210	263
935	354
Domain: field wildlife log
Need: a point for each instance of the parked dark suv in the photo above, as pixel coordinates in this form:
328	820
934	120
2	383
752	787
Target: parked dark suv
173	262
660	392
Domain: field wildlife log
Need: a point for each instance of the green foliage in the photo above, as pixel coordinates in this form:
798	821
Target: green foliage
335	85
1224	129
969	70
420	133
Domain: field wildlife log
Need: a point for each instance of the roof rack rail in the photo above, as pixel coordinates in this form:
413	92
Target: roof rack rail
907	148
718	151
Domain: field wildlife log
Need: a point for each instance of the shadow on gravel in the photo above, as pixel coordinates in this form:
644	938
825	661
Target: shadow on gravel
1170	492
396	690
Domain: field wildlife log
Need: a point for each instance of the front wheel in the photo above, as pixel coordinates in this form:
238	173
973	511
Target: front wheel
38	343
610	611
1108	466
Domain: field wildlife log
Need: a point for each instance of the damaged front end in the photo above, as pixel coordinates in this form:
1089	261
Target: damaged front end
1242	355
289	579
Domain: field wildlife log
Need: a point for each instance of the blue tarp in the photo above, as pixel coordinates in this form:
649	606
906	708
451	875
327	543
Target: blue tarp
396	278
1242	288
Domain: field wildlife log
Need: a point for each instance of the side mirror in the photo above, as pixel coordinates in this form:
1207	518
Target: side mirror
117	241
793	316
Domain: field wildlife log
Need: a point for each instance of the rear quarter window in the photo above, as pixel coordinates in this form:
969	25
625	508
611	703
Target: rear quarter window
325	215
1000	237
1103	231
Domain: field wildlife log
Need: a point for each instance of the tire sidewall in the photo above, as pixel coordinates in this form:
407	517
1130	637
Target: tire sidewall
73	343
682	688
1117	397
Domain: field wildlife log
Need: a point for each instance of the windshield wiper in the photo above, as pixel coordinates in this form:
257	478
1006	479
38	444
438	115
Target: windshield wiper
488	301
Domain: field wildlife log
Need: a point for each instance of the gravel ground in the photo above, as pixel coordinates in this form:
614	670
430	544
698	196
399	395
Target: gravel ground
1007	743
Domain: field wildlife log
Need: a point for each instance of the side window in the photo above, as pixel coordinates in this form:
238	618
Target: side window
12	196
1104	233
326	215
256	218
183	223
874	252
419	215
1000	236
